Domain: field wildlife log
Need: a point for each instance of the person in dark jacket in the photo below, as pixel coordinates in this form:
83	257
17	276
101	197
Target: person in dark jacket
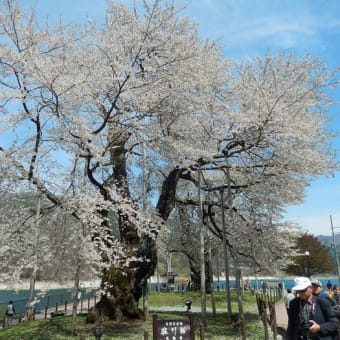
10	312
309	316
329	285
317	291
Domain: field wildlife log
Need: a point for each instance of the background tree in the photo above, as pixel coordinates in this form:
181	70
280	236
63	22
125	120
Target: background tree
312	257
52	247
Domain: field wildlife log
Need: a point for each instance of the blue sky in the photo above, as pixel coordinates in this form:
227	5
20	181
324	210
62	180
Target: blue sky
249	28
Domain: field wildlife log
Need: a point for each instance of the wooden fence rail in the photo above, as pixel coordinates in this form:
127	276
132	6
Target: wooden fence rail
48	312
266	308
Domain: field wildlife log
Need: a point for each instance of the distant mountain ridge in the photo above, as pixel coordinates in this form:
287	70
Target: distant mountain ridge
328	240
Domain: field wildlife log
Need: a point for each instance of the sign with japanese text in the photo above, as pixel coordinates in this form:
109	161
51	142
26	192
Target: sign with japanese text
173	329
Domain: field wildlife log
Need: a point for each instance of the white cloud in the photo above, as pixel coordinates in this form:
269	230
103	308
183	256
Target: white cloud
251	25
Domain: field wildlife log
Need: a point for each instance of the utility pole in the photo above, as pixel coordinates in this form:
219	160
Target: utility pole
335	251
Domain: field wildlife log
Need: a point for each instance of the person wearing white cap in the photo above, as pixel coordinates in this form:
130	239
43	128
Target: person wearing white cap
309	316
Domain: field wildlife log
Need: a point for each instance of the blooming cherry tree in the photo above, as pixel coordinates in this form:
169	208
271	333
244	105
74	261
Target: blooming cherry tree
87	109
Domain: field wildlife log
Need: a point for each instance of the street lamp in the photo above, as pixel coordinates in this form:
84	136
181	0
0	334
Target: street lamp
306	269
98	331
188	304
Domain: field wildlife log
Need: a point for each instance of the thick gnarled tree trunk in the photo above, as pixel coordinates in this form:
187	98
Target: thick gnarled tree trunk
124	286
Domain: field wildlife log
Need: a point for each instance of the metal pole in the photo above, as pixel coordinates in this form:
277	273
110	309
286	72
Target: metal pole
202	245
335	251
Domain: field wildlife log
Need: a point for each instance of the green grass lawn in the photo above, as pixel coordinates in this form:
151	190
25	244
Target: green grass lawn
218	327
177	299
